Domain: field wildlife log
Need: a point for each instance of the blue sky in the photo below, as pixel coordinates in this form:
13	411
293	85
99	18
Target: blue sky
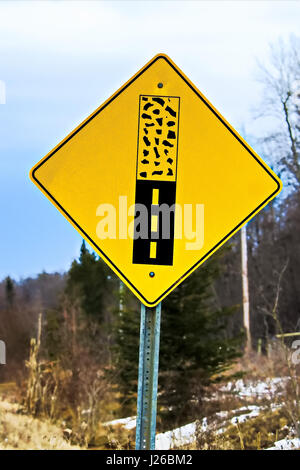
60	60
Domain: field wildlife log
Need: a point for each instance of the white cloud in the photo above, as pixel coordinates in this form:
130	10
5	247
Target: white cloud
101	44
85	27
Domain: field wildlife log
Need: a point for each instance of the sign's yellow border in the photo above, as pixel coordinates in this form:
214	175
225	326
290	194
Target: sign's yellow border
86	236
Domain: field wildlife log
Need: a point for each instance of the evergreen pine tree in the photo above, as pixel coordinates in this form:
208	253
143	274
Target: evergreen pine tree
126	331
194	347
88	281
9	291
85	312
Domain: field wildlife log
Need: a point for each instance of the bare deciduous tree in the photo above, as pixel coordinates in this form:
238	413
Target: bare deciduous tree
281	103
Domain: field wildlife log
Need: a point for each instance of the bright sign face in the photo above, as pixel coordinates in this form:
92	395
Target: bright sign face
156	180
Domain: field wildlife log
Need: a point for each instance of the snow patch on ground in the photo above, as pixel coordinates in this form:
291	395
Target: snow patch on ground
186	435
251	413
261	388
286	444
177	437
127	423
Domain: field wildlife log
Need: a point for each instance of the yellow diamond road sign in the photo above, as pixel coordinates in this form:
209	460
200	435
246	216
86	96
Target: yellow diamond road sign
156	180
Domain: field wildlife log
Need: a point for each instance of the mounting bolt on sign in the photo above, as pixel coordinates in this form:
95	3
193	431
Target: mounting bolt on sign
158	155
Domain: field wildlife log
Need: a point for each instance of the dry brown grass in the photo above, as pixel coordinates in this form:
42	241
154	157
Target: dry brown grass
23	432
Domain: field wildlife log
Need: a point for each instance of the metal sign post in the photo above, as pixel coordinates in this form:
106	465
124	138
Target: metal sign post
148	377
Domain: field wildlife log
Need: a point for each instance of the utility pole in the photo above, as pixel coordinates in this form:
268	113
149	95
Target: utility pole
246	310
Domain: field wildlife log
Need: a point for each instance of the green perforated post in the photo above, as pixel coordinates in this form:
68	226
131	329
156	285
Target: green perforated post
148	377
